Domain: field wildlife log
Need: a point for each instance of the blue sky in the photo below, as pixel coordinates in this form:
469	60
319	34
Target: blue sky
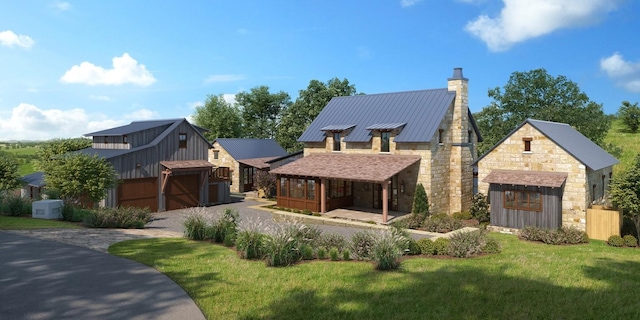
69	68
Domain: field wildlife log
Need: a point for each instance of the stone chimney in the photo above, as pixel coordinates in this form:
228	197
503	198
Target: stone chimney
461	157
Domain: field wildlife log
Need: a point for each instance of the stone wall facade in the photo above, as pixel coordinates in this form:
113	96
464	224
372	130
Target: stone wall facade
225	160
546	155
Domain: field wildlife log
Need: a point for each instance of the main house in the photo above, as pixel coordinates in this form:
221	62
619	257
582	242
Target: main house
543	174
372	151
160	164
244	157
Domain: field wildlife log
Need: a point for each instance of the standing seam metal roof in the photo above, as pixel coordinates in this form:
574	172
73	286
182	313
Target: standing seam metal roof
421	110
241	149
134	126
569	139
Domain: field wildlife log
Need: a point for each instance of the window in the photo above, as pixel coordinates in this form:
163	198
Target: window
470	136
182	140
441	136
311	189
124	139
384	141
283	186
106	140
527	144
523	200
296	188
215	155
336	141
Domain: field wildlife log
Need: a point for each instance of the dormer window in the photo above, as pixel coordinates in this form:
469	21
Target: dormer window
527	144
336	141
182	140
124	139
384	141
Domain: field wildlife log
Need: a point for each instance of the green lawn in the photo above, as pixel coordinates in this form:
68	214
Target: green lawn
19	223
25	157
526	281
620	136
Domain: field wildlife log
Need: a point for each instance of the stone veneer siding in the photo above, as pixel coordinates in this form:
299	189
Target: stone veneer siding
225	160
546	155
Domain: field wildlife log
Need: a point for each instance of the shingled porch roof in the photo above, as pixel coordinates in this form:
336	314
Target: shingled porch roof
356	167
527	178
260	163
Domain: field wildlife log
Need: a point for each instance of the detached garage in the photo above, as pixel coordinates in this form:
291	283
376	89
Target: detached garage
161	164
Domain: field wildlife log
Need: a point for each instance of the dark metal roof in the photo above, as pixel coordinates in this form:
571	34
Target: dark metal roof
35	179
338	127
569	139
422	111
295	154
107	153
134	126
249	148
386	126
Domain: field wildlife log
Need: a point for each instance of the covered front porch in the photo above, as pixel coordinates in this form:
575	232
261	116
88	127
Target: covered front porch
326	182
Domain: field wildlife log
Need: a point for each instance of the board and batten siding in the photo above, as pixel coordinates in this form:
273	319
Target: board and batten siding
550	217
149	159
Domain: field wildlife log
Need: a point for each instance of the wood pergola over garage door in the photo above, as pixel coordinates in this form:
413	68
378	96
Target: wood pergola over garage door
139	193
182	192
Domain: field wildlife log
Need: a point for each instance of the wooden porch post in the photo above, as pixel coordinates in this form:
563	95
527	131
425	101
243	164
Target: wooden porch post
385	200
323	195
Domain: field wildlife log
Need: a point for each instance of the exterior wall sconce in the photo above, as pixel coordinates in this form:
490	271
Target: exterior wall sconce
402	187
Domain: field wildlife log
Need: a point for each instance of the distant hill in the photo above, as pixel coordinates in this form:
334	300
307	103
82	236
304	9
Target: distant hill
620	136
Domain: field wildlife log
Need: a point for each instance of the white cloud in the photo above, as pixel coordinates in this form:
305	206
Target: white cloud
408	3
230	98
142	114
625	73
193	105
125	70
522	20
9	39
61	6
99	97
224	78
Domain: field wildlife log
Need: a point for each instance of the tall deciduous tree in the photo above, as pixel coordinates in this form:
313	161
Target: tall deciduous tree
630	115
306	108
536	94
223	119
624	193
54	148
9	177
78	175
261	111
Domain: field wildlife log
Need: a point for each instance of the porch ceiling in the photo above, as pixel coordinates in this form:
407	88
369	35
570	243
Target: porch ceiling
356	167
527	178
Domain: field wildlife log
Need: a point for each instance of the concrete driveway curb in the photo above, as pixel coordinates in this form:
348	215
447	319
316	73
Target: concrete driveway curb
50	280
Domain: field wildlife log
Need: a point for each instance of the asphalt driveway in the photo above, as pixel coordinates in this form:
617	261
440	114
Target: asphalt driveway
51	280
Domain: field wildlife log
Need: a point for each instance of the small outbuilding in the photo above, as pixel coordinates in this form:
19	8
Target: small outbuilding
543	174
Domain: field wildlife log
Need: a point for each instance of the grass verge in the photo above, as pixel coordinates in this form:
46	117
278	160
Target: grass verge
23	223
526	281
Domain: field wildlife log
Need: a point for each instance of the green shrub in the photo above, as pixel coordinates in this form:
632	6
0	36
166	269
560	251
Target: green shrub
630	241
412	248
321	253
346	255
316	214
281	248
491	246
573	235
426	246
195	226
441	246
530	233
387	251
250	243
225	228
121	217
304	234
67	212
442	223
79	214
307	212
306	251
420	201
334	254
615	241
555	236
465	244
362	245
464	215
15	205
628	227
331	240
480	208
413	221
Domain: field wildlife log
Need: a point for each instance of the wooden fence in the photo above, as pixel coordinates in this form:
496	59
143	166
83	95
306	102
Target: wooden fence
603	223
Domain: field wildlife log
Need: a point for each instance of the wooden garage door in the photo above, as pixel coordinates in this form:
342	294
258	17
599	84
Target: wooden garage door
182	192
140	193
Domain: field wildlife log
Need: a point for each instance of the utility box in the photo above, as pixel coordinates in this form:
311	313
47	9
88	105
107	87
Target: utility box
47	209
